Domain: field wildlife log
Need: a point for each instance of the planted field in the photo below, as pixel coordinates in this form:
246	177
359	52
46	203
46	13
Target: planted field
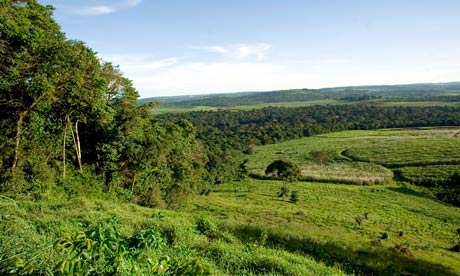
428	175
397	151
432	103
350	150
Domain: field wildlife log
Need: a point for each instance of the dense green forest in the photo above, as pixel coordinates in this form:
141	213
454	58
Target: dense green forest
66	114
269	125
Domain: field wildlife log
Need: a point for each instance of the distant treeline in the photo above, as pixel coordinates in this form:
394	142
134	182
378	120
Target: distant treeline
243	129
437	92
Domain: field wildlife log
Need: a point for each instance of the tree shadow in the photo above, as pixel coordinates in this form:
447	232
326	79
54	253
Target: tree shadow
375	260
412	192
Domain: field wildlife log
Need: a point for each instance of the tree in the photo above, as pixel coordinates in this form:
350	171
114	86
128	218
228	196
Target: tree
31	45
283	170
322	155
81	96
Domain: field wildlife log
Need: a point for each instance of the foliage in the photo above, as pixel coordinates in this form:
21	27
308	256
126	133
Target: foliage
294	197
65	111
103	250
272	125
320	156
284	170
450	190
284	190
443	180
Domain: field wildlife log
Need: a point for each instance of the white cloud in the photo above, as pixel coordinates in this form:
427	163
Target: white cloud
132	2
105	7
334	61
214	49
239	51
97	10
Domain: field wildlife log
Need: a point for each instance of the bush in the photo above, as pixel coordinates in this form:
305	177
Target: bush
283	170
284	190
207	228
294	197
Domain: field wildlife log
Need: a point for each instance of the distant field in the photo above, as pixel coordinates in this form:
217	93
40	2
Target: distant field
421	103
428	175
160	109
388	147
397	151
289	104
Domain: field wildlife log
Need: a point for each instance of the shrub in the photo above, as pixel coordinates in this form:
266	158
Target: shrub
294	197
321	156
401	249
455	248
207	227
284	170
284	190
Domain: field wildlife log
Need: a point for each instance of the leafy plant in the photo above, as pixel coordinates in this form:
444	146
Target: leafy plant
284	170
284	190
294	197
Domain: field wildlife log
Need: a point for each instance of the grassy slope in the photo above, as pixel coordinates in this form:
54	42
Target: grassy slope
246	229
252	231
325	219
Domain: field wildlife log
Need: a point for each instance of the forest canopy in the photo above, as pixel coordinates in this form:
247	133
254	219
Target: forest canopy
67	114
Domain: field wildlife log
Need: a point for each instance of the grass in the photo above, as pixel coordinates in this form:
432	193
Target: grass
398	151
323	223
289	104
245	228
358	155
160	109
428	175
422	103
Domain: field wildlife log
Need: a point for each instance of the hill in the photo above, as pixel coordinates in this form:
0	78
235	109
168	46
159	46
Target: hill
246	227
409	93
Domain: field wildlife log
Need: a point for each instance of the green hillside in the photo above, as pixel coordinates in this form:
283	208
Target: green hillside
429	94
246	227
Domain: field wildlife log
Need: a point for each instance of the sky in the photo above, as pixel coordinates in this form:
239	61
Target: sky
185	47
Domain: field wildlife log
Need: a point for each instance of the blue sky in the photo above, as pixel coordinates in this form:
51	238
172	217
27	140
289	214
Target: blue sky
178	47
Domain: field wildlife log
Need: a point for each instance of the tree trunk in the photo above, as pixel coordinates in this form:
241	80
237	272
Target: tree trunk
19	130
76	141
133	184
67	121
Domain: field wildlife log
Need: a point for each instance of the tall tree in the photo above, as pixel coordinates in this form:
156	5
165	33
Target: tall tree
81	95
31	45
